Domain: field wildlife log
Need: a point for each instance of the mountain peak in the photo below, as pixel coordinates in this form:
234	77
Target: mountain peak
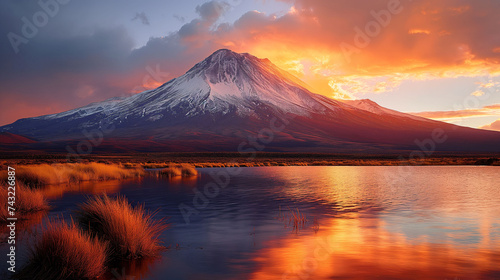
223	52
227	66
222	62
241	78
227	55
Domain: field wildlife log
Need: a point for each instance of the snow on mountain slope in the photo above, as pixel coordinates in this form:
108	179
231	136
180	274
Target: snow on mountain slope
223	80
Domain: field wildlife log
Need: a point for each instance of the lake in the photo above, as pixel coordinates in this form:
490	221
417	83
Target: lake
358	222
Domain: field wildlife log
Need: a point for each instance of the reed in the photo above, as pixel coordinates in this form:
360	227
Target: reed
297	219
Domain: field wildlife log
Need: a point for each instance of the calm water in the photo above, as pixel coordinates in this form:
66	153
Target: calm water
362	223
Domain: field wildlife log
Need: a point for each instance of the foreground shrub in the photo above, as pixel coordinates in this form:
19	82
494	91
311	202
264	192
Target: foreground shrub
27	201
65	252
63	173
132	233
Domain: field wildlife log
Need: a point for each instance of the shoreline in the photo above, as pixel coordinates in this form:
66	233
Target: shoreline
202	160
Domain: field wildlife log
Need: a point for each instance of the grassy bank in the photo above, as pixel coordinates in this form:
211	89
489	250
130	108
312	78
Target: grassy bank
39	175
229	159
260	162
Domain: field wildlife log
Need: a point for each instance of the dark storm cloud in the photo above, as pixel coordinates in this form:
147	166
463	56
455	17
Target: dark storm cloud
54	72
179	18
142	17
180	50
211	11
104	50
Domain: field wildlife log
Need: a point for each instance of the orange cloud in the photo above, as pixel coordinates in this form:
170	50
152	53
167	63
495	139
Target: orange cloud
478	93
419	31
491	110
488	85
460	9
492	107
493	126
374	38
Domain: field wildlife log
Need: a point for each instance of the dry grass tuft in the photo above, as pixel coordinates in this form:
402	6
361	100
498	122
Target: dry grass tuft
64	173
26	201
132	233
65	252
184	170
171	171
297	219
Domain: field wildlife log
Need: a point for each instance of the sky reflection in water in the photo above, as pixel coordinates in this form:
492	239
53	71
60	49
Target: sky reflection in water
429	222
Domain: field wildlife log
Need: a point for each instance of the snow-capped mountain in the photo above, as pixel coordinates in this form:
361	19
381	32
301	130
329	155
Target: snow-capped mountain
228	97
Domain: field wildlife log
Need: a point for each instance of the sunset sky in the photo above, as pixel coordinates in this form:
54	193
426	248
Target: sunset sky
437	59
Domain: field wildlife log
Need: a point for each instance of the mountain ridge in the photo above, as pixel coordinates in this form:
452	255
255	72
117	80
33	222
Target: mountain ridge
228	97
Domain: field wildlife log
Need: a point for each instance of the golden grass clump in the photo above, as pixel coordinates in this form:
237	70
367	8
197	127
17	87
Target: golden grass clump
63	173
132	233
184	170
26	201
65	252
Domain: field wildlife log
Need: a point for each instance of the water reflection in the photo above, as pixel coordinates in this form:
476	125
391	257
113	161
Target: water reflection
363	248
441	223
362	223
133	269
87	187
